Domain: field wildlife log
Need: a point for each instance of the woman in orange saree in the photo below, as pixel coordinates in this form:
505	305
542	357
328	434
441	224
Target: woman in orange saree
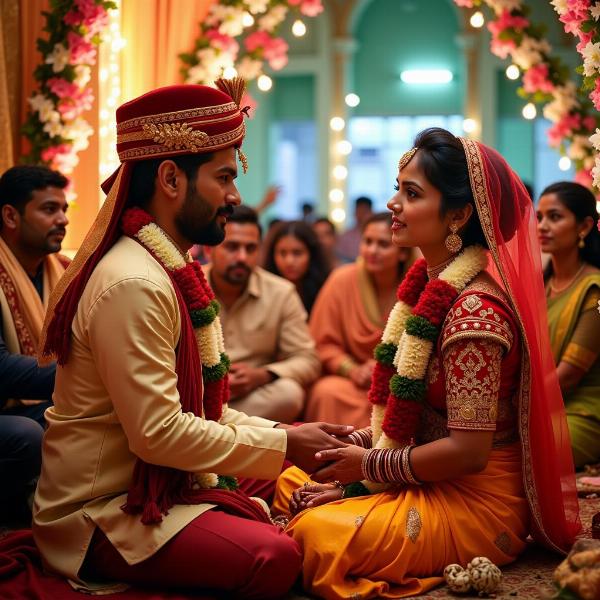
347	321
468	452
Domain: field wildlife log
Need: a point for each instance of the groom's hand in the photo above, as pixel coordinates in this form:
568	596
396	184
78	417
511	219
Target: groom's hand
304	441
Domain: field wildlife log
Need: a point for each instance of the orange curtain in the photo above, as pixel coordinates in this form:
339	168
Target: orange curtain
156	31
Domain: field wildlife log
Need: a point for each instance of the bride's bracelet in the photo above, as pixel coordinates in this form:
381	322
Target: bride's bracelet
389	465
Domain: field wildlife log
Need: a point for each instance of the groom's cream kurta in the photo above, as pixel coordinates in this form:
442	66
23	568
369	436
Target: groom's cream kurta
115	400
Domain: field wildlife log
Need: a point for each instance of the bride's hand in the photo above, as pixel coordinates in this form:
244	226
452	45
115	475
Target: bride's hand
309	496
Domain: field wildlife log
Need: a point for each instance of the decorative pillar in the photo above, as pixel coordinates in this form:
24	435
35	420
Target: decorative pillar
469	43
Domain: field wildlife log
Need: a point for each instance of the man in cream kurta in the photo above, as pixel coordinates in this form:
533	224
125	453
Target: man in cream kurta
116	399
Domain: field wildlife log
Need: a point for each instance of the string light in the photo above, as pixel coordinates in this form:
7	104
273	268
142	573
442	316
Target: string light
337	123
229	72
264	83
340	172
247	19
338	215
298	28
352	100
344	147
477	19
513	72
336	195
564	163
109	93
529	111
470	125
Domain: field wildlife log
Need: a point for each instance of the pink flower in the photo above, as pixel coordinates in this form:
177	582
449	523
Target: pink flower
71	108
584	177
96	21
595	96
256	40
73	18
223	42
573	20
464	3
507	21
589	122
62	88
584	38
274	50
536	79
311	8
276	53
48	154
82	52
502	48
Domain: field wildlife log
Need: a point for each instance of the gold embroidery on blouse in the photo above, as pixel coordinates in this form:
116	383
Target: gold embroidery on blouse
359	521
472	396
434	370
472	320
413	524
503	542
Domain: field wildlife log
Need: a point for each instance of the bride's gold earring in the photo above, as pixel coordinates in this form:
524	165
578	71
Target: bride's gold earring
453	241
581	243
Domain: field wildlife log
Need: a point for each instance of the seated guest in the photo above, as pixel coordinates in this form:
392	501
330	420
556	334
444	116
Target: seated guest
292	251
568	232
32	226
327	236
272	353
348	243
347	322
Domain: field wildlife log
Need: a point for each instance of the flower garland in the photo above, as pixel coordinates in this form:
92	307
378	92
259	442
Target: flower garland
54	125
402	357
203	310
217	51
580	17
546	80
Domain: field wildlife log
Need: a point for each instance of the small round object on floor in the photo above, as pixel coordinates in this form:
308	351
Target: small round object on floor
457	578
484	575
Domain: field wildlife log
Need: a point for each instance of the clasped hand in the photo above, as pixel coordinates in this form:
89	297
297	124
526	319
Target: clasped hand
342	464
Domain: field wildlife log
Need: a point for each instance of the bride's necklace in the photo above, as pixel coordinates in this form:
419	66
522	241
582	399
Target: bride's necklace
556	290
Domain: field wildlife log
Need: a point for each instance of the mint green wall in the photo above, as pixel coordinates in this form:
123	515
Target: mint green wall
394	35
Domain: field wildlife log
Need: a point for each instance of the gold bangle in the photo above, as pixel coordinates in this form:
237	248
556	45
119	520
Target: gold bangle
346	366
338	484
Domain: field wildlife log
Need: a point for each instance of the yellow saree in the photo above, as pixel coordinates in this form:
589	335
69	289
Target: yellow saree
575	341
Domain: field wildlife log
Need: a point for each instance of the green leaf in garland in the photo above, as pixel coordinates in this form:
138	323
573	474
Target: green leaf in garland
227	482
421	327
384	353
406	388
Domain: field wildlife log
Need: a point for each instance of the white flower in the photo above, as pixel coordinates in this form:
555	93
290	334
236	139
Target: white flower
595	139
596	173
83	74
248	68
78	131
206	480
591	58
589	162
58	58
256	6
65	163
42	105
565	99
560	6
595	10
579	147
275	16
53	127
501	5
530	52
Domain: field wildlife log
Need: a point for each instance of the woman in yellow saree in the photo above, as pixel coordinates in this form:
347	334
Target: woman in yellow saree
468	450
568	231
